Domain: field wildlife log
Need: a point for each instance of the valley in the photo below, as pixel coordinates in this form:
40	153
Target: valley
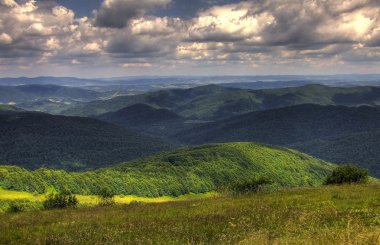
212	159
190	122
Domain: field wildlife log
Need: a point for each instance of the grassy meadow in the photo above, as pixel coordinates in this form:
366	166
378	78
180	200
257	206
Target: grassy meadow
348	214
33	202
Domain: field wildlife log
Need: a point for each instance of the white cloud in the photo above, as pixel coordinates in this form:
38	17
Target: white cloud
124	34
137	65
5	38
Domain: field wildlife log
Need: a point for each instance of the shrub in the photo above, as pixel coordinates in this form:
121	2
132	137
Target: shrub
60	200
252	186
15	208
107	197
347	174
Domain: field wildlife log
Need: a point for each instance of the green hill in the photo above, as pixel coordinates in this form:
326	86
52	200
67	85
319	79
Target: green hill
35	140
199	169
214	102
334	133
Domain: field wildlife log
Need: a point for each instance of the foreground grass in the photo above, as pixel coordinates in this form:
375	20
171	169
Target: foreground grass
326	215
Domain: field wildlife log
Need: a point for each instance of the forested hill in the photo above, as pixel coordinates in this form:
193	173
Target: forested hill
35	140
362	149
140	114
199	169
335	133
148	120
287	125
214	102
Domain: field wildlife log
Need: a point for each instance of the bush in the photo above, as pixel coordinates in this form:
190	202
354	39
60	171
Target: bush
253	186
348	174
60	200
15	208
107	197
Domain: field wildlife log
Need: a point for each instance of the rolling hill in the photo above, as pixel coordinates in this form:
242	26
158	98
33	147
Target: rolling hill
214	102
287	125
34	140
140	114
148	120
199	169
334	133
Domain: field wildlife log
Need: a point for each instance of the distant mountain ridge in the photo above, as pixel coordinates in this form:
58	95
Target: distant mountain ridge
140	114
146	119
287	125
34	92
215	102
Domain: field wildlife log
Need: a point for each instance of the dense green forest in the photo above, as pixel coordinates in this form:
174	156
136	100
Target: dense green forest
148	120
34	140
190	170
215	102
287	125
333	133
362	148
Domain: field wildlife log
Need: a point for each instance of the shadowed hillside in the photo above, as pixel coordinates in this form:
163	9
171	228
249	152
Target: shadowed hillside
35	140
362	148
148	120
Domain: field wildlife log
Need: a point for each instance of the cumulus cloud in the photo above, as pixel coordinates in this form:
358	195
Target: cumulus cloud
5	38
117	13
283	31
253	34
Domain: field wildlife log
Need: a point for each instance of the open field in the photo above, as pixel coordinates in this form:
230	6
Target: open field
325	215
33	201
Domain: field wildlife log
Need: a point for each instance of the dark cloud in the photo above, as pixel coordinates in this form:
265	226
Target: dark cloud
134	46
117	13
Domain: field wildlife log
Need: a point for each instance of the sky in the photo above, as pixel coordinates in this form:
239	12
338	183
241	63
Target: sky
110	38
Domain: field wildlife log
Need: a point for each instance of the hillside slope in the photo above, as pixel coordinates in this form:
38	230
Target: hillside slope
34	140
191	170
214	102
287	125
333	133
148	120
362	148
